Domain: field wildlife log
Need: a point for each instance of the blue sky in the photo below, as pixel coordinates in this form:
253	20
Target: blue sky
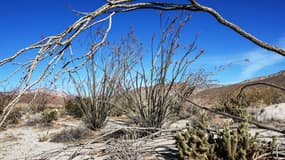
25	22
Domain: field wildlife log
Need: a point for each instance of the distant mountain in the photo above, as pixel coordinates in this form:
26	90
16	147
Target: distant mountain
276	78
41	95
210	95
49	91
206	94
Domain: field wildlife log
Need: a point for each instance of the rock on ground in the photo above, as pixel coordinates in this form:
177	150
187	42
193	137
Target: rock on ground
274	112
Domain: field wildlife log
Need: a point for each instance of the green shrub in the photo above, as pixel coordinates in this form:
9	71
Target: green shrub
72	107
228	144
234	105
49	116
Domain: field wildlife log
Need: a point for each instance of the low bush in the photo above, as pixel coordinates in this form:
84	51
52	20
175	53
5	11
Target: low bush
70	134
16	113
14	116
72	107
49	116
234	105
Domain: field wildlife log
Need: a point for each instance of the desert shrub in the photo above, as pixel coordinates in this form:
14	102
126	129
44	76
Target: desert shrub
229	144
234	105
16	113
72	107
14	116
39	102
264	96
151	91
257	96
70	134
95	112
48	116
125	148
95	94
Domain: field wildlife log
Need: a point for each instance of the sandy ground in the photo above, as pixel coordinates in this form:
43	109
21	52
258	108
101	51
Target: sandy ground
23	142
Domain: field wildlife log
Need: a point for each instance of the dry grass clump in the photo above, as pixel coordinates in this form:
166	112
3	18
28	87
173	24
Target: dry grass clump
14	116
125	148
71	134
44	137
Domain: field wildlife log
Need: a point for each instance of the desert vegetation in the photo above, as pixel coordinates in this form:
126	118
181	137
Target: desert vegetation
149	93
5	99
126	97
201	143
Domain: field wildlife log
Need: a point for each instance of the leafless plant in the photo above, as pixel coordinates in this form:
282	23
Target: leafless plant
5	98
96	92
150	91
39	102
52	51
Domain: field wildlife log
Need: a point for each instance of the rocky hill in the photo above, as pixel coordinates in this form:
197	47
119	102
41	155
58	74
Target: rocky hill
210	96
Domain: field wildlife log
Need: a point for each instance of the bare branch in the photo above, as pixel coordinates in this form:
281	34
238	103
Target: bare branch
51	50
238	29
259	125
259	83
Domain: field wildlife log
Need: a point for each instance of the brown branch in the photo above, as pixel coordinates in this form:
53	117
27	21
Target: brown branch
52	46
238	29
259	125
259	83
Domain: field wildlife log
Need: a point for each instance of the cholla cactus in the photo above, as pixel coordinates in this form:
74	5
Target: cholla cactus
236	143
229	144
193	144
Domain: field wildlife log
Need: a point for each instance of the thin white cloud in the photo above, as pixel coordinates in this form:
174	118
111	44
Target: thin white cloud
247	64
258	60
